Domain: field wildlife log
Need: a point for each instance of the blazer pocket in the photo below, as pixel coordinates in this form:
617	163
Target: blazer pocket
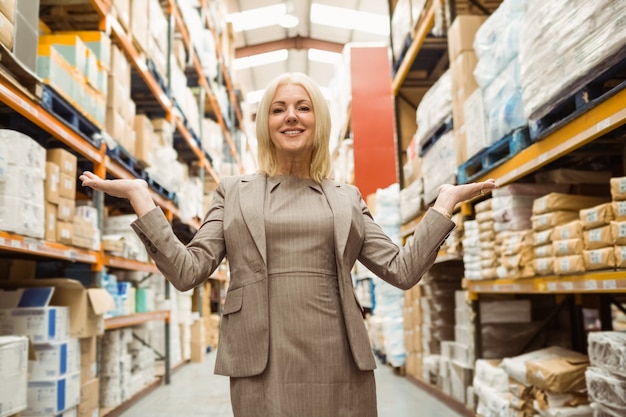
233	301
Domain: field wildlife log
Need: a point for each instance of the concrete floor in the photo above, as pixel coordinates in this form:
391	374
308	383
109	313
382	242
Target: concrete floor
196	392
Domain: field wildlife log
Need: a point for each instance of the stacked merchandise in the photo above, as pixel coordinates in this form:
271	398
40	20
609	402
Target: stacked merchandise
497	73
618	226
606	377
471	250
452	247
126	365
588	38
560	209
122	238
439	285
486	239
462	64
557	378
54	374
491	387
413	331
14	365
389	299
115	368
436	143
461	349
22	173
185	320
600	233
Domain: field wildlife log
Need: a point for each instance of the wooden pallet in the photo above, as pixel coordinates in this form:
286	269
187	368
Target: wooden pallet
599	87
496	154
62	109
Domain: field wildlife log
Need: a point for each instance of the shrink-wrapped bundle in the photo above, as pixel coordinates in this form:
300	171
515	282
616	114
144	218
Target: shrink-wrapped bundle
564	45
434	108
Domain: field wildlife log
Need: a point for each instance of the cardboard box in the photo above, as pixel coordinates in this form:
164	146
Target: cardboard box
50	233
29	312
463	83
66	209
89	398
54	359
86	305
144	139
14	365
53	396
67	186
88	358
462	32
52	182
66	160
64	232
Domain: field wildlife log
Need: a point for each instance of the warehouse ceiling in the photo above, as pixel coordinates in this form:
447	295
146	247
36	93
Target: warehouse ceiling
312	46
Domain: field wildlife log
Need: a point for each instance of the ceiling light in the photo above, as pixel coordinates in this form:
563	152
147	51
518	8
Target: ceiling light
260	59
289	21
350	19
327	57
257	18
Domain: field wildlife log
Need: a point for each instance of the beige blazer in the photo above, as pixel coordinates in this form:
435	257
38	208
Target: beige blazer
234	227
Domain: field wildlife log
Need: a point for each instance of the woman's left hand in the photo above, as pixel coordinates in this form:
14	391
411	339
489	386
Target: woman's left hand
451	195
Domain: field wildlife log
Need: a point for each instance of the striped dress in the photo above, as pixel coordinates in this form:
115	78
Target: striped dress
311	372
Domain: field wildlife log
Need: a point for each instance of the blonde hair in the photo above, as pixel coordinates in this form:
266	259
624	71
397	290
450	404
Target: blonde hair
320	159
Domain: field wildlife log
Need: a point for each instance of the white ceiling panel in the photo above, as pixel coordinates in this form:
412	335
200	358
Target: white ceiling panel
306	35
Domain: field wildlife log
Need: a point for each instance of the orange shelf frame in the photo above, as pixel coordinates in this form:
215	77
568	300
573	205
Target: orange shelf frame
26	245
425	25
203	81
25	106
119	322
130	264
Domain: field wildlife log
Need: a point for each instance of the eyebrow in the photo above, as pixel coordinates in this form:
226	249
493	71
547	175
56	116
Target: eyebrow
297	102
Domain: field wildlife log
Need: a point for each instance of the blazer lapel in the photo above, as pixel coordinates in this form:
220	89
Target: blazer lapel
342	209
252	198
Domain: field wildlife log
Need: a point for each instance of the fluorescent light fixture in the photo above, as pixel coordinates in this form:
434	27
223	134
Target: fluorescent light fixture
327	57
257	18
289	21
260	59
340	17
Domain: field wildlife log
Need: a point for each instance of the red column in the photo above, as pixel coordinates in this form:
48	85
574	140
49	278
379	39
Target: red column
372	119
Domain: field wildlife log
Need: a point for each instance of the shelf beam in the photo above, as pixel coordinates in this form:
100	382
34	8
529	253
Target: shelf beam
608	281
426	24
14	243
119	322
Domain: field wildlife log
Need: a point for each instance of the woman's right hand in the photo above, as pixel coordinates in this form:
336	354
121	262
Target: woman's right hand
135	190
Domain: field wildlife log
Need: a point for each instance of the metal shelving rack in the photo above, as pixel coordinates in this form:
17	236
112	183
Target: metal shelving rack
20	100
573	134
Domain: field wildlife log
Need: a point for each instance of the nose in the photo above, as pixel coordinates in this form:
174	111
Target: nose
291	116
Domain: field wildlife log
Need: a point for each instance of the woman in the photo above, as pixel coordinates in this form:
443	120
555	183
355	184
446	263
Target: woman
292	338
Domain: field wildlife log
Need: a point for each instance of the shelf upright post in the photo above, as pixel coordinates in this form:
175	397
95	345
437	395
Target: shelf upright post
478	334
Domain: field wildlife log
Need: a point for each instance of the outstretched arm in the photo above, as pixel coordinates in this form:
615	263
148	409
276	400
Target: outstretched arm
136	191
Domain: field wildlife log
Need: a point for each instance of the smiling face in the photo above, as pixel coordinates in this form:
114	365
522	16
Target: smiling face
292	125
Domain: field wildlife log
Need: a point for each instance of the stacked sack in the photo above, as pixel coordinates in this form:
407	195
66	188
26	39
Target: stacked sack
552	379
618	224
439	285
606	377
561	213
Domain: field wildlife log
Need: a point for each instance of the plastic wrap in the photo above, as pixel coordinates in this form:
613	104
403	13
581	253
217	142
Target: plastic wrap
440	166
608	350
605	387
434	108
497	40
411	200
563	44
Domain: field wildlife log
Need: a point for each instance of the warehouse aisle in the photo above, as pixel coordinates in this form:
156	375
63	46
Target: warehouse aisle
196	392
